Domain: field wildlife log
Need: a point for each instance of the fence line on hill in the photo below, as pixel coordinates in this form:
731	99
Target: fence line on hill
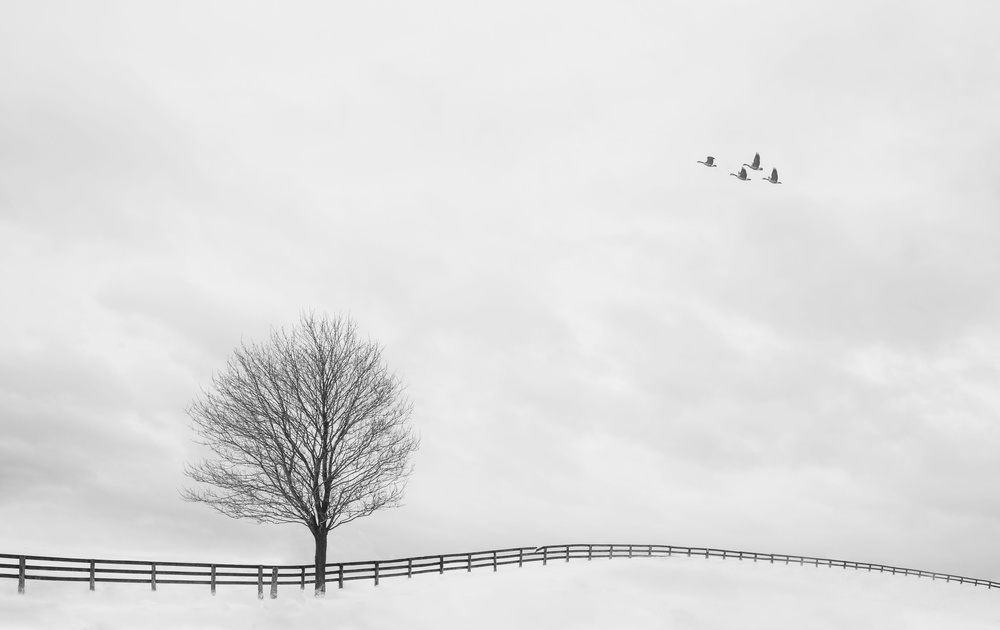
154	572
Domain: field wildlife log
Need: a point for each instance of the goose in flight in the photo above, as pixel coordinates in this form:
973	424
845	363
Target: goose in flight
709	161
756	163
774	176
742	175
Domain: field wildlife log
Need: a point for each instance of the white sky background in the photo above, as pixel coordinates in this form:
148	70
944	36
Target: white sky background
604	340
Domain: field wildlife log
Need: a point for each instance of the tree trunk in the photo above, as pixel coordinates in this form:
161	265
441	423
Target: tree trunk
320	536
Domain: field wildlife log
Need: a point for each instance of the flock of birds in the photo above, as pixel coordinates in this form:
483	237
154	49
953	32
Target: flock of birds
742	175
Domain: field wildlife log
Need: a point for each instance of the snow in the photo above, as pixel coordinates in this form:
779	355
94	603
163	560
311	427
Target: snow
689	593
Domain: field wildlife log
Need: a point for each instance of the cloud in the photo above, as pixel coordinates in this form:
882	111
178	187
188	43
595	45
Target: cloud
602	337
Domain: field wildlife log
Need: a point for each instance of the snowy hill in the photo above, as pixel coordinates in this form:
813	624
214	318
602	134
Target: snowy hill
679	592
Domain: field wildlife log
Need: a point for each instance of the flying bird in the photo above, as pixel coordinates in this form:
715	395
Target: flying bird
742	175
756	163
774	176
709	161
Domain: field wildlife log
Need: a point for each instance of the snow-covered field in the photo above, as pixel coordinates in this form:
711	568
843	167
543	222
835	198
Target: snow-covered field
688	593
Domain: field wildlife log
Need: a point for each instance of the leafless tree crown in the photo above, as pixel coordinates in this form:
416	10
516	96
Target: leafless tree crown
308	428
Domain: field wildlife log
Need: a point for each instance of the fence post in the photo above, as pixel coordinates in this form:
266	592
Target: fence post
274	582
494	562
611	552
92	577
590	552
340	575
260	581
630	551
376	573
20	575
469	563
567	553
409	568
545	556
302	578
213	579
152	575
441	565
520	558
649	552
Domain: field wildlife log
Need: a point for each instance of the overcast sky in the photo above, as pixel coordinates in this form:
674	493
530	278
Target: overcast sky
604	340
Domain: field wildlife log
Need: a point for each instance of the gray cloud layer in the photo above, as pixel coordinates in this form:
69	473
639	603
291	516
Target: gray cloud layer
604	339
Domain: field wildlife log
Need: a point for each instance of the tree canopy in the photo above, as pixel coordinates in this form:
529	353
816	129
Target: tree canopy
309	427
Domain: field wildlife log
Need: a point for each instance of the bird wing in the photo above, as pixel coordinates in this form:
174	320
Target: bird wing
743	173
709	159
756	160
774	174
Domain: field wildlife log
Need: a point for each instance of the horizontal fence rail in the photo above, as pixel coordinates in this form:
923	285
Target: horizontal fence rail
23	567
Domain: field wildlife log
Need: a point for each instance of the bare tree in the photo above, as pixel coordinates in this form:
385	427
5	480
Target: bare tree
308	428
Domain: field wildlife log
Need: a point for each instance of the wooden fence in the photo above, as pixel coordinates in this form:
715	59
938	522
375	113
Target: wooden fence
24	568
